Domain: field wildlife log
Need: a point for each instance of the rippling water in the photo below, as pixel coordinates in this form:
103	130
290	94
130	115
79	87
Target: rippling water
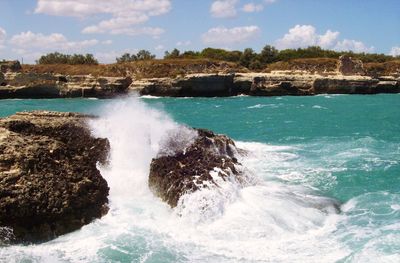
303	151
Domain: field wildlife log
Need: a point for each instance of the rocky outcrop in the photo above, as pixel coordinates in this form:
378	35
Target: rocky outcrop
264	84
2	79
277	83
193	85
49	183
193	167
348	66
47	85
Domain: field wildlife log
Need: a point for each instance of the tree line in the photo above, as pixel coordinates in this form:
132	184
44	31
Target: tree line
247	58
74	59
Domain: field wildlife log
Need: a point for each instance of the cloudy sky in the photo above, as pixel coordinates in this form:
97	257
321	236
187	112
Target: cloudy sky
105	28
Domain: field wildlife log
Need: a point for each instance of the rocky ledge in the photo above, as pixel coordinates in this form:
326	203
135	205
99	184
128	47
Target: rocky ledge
193	167
49	183
264	84
19	85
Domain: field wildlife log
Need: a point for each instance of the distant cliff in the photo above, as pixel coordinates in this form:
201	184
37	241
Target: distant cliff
192	78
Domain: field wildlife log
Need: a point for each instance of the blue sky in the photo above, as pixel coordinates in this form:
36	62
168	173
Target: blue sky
105	28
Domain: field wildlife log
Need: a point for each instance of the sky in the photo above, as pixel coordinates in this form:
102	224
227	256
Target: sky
107	29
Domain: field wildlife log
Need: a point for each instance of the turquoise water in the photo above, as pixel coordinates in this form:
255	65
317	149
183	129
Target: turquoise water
304	148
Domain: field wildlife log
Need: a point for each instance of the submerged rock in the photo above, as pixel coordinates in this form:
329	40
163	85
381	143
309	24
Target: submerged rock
49	183
192	168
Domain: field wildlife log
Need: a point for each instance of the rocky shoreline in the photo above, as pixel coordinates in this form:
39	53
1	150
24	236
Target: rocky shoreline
49	182
348	79
39	86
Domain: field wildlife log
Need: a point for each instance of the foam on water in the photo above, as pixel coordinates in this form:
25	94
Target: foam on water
278	217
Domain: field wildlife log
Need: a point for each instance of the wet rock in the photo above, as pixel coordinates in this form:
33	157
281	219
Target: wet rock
49	183
188	169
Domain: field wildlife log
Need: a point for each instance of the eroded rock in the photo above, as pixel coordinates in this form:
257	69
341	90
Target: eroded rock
49	183
48	85
192	168
349	67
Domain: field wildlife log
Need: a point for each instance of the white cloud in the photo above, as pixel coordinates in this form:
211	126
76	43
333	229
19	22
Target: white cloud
302	36
183	43
395	51
117	8
115	24
107	42
159	47
229	36
3	35
224	8
353	45
55	41
154	32
251	8
328	39
124	13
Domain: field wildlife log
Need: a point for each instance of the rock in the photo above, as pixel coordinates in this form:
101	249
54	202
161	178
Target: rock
188	169
49	183
2	79
278	85
387	86
205	85
47	85
348	66
10	66
345	85
192	85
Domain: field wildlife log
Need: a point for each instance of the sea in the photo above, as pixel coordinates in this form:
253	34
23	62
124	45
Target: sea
301	153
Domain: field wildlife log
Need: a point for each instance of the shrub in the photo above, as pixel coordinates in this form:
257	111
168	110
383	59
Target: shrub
75	59
141	55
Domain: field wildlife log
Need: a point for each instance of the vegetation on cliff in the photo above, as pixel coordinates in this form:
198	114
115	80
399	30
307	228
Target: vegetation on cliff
143	64
75	59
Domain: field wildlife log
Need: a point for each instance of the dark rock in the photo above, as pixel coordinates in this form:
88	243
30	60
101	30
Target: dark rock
354	85
49	183
47	85
188	169
197	85
271	86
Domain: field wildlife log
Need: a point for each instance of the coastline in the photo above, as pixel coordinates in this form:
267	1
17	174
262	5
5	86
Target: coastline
280	83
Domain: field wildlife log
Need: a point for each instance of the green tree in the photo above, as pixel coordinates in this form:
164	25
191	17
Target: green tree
75	59
175	53
127	57
248	56
145	55
268	54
